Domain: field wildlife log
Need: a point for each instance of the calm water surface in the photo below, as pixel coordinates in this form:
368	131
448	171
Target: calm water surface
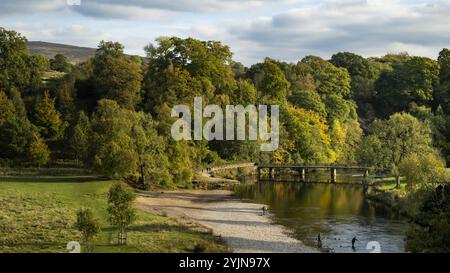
338	212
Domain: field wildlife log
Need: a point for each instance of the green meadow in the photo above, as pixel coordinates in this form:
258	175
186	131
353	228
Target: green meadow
37	214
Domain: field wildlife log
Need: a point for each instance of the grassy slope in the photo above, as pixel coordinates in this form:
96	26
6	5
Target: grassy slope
37	215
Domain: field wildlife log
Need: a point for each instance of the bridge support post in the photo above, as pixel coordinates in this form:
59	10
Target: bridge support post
271	173
258	174
333	173
366	173
302	173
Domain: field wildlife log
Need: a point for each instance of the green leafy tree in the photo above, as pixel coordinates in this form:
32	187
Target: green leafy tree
80	138
430	230
38	151
115	76
442	93
364	73
113	149
17	101
15	137
60	63
423	169
149	148
47	118
331	83
309	100
270	81
88	226
125	144
180	69
412	81
392	140
121	212
18	68
7	110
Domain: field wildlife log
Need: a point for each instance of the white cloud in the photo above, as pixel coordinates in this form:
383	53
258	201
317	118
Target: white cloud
365	27
282	29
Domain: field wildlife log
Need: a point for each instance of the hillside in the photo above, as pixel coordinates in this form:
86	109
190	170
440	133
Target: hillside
49	50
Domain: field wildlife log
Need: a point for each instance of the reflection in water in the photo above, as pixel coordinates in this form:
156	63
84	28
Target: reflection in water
337	212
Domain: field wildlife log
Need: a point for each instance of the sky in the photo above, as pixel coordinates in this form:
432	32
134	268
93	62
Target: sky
286	30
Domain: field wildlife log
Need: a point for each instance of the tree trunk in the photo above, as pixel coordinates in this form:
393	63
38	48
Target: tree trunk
143	176
397	180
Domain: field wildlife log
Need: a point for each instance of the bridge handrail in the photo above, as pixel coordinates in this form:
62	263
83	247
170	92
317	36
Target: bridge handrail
327	166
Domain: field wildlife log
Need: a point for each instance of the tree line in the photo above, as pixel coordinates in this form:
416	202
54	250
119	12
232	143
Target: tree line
112	113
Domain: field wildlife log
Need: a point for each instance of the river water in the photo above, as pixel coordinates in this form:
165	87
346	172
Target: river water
338	212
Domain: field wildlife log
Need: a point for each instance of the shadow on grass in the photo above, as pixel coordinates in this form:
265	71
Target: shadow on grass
157	227
44	179
37	246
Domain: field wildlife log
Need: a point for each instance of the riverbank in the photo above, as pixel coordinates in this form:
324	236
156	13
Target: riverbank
240	224
387	195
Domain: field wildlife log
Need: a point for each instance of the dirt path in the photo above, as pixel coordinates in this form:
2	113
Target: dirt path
239	223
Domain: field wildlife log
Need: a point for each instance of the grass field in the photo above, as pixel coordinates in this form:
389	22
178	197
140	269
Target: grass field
37	214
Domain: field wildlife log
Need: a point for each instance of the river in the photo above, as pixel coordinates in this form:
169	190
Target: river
338	212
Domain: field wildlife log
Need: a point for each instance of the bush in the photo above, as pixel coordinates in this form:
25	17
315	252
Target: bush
88	226
430	231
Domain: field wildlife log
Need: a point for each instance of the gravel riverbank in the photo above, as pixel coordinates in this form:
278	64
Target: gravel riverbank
240	224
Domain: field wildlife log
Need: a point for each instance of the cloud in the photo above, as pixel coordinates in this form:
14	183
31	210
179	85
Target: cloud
363	26
282	29
134	8
8	7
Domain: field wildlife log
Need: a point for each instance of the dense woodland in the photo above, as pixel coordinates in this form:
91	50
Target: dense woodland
112	113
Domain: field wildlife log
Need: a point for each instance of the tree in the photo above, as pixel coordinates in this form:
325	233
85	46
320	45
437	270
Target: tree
115	76
149	148
331	79
412	81
364	73
15	137
19	105
423	169
120	210
430	230
245	93
345	140
7	110
38	152
331	83
307	140
113	148
309	100
270	81
125	144
47	118
80	138
442	93
18	68
390	141
60	63
88	226
180	69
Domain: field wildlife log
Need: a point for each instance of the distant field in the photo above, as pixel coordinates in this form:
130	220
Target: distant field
37	215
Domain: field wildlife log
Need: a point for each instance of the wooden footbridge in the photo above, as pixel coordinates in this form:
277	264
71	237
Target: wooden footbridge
303	169
300	169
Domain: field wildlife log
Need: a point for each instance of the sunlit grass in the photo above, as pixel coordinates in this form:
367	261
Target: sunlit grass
37	214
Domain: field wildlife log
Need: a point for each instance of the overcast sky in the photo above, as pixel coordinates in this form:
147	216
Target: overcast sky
282	29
